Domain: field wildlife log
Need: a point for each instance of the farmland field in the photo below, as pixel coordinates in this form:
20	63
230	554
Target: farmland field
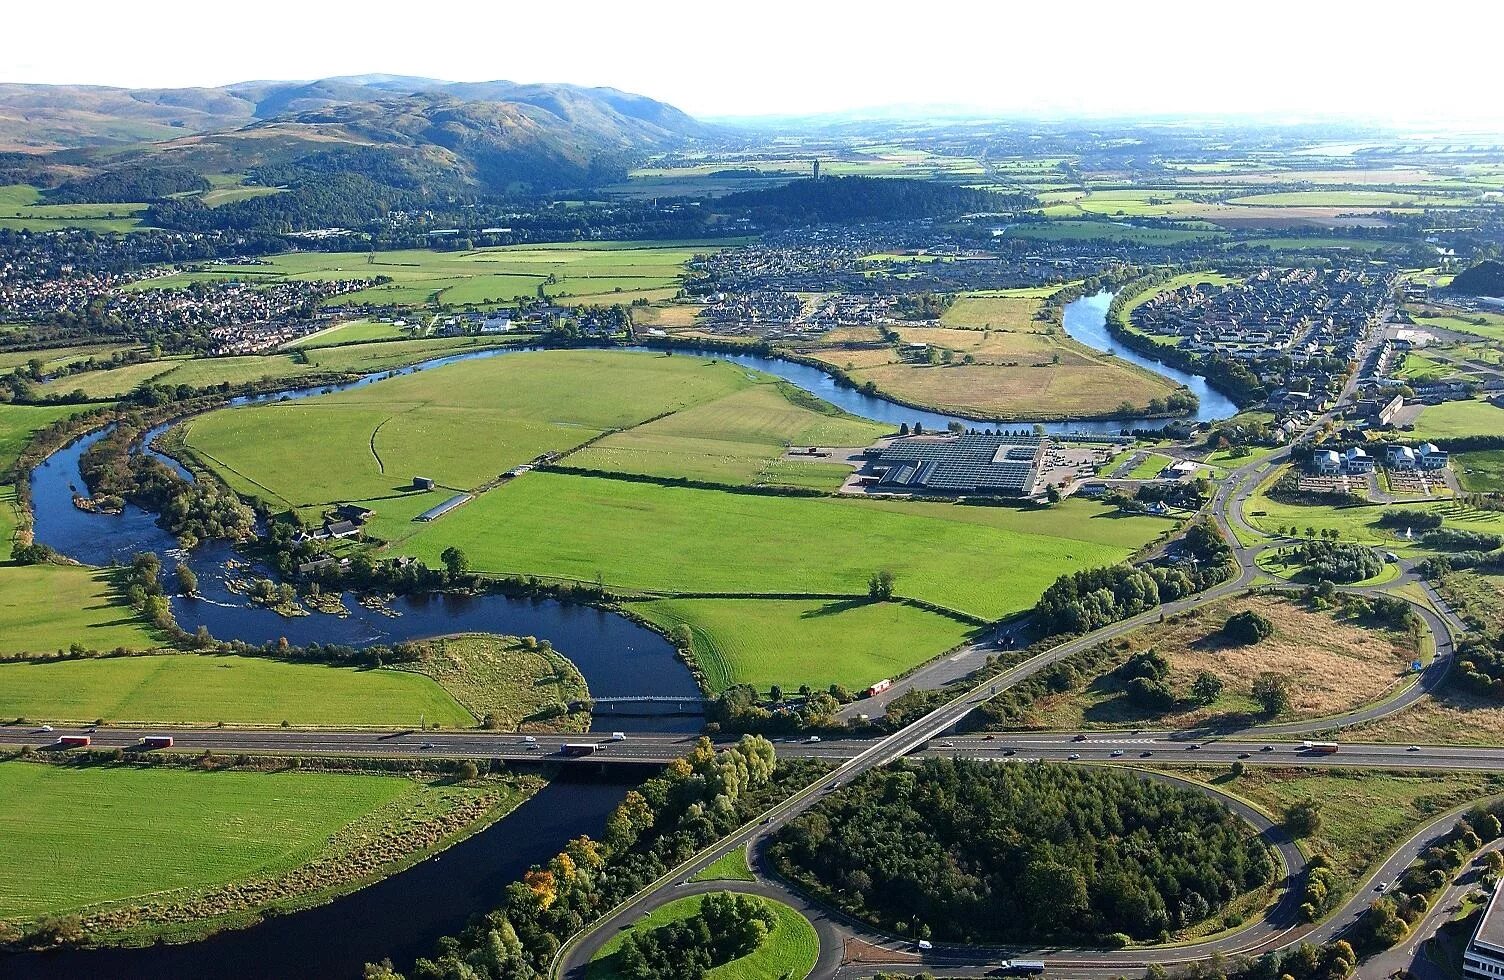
243	844
462	424
203	689
22	209
45	608
984	560
600	273
1481	471
18	423
801	641
790	949
349	333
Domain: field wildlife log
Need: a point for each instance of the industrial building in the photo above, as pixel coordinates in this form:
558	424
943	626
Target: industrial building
974	462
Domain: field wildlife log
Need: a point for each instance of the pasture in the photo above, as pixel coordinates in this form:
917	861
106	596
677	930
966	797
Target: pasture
577	274
203	689
22	209
462	424
789	951
1481	471
46	608
18	423
988	561
818	642
1459	418
74	836
349	333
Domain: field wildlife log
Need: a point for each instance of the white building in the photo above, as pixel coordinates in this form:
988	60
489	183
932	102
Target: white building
1400	458
1431	458
1326	462
1483	959
1355	460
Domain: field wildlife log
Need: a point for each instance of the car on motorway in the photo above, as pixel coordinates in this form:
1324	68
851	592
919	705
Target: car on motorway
1193	746
1381	887
1116	753
1244	755
1079	738
812	739
924	944
45	728
947	745
1010	751
1145	754
426	745
1267	748
988	738
1413	748
1073	757
617	737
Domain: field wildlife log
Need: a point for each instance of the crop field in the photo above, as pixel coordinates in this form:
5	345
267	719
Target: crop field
1344	199
984	560
202	689
462	424
45	608
1080	385
736	439
1010	310
789	642
581	274
789	951
1461	418
1334	665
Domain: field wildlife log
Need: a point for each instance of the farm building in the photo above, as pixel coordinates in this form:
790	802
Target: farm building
434	513
975	462
423	483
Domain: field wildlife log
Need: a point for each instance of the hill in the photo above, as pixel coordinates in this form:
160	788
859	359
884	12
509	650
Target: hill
1484	279
839	199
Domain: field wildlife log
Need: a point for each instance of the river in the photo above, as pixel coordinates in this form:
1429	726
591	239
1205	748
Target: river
404	915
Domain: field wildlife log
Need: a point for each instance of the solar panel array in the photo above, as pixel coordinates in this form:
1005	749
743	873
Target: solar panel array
969	463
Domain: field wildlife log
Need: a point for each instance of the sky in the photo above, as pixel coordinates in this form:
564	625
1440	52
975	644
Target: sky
1368	62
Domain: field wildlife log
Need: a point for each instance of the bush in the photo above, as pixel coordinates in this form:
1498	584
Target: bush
1247	627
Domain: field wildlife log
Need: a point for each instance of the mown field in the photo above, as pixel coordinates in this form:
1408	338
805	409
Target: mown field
1481	471
819	642
201	689
74	836
985	560
789	951
46	608
1460	418
21	209
351	332
203	371
466	423
581	274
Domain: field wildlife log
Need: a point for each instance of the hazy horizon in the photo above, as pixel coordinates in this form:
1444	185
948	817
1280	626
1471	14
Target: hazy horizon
1284	61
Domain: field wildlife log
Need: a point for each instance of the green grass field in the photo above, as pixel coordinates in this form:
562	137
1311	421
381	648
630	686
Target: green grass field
731	866
349	333
463	424
21	209
1461	418
985	560
18	423
1481	471
1488	325
192	688
45	608
801	641
78	837
203	371
587	273
1077	230
790	949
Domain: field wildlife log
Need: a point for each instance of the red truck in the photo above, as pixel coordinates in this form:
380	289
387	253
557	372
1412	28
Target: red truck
879	687
156	742
74	741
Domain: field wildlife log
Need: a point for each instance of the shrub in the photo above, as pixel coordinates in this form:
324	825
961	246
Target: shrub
1247	627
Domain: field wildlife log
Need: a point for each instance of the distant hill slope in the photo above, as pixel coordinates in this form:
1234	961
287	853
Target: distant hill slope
1484	279
489	136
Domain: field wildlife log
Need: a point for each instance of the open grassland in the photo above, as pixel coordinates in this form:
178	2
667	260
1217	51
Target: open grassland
21	209
46	608
352	332
202	689
578	274
1487	325
73	836
789	951
18	423
199	372
738	439
53	358
1333	664
1365	814
1080	230
1345	199
790	642
1001	310
986	560
244	844
1461	418
462	425
731	866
